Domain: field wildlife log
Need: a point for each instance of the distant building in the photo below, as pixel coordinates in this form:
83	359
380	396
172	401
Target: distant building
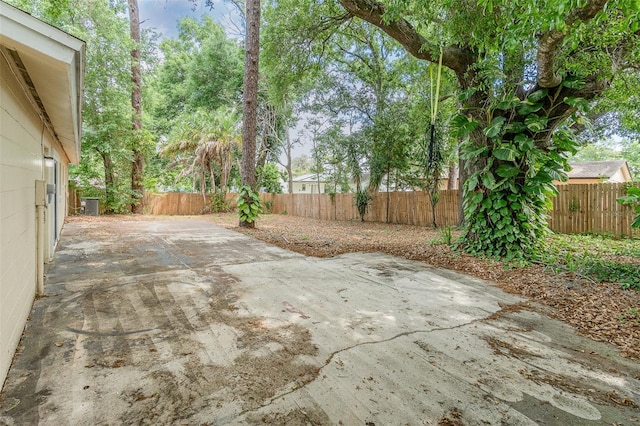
598	172
308	184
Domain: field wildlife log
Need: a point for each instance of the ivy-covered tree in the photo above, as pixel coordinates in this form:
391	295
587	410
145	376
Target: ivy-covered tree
524	69
249	115
525	72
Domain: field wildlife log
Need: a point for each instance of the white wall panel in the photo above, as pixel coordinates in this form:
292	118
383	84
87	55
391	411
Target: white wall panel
21	139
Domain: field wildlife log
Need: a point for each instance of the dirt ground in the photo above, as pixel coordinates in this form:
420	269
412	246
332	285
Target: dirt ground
595	310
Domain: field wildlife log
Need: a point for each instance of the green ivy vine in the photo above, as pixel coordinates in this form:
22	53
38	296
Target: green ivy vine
249	205
509	195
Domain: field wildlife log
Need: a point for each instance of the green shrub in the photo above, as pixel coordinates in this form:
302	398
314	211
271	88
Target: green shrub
219	203
446	236
593	257
632	199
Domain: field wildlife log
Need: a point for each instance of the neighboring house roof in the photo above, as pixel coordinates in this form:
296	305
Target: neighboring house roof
597	169
49	64
310	177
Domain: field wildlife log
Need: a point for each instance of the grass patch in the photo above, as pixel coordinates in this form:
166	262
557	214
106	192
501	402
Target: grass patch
598	258
445	237
632	315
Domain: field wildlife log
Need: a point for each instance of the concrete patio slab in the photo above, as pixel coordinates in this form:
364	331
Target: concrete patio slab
183	322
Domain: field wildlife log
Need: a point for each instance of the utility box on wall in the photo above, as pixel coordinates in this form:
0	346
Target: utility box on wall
41	193
90	206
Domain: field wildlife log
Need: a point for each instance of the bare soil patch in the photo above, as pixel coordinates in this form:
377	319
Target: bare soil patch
595	310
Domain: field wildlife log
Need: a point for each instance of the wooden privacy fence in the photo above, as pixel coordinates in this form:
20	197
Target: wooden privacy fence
592	208
410	208
175	203
578	208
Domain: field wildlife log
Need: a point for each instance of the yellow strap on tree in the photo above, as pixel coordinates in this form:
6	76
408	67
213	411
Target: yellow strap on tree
434	99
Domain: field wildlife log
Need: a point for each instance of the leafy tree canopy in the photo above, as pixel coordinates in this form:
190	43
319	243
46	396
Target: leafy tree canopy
270	179
201	69
302	165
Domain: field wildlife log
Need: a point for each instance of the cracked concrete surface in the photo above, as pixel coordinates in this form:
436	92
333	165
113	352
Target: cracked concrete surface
183	322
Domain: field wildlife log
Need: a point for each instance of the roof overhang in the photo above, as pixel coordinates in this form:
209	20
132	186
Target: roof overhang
49	64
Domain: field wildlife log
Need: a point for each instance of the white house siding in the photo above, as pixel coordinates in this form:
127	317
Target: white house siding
21	164
618	176
308	187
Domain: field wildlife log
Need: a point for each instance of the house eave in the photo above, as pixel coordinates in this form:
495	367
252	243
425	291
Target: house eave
49	64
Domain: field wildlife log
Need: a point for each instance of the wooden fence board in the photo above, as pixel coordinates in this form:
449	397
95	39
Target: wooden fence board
578	208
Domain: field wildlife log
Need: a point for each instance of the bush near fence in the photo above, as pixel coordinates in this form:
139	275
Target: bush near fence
578	208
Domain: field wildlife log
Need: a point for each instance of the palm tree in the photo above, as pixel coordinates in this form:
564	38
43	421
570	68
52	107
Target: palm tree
205	142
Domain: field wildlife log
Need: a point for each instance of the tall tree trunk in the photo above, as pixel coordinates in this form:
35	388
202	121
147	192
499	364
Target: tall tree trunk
269	136
452	183
250	97
109	181
388	195
288	165
137	165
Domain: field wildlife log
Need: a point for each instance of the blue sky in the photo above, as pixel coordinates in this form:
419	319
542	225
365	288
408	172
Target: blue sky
163	15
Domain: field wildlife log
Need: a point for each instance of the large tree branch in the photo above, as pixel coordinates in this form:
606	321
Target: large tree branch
551	41
453	57
560	111
621	54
